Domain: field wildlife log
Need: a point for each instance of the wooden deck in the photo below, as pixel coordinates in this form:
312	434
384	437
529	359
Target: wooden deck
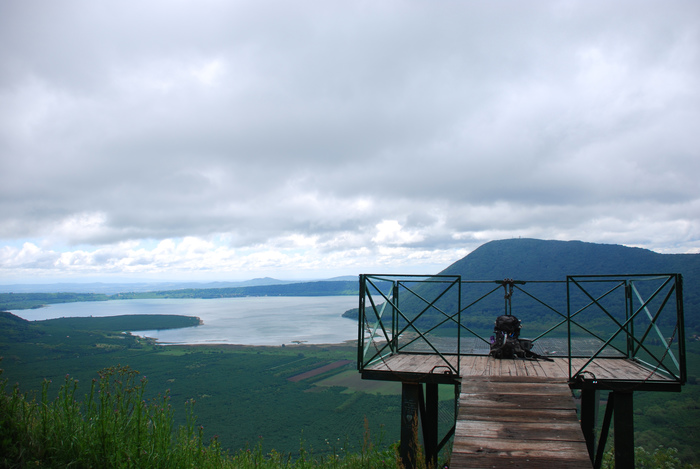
614	369
514	412
517	421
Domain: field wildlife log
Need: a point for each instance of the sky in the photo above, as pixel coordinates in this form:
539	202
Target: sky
229	140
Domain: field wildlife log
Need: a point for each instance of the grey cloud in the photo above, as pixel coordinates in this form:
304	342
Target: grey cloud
260	120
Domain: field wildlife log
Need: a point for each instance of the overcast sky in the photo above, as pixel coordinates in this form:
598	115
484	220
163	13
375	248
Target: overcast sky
227	140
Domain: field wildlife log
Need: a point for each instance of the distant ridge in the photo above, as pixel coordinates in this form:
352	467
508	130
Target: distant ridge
108	288
135	287
535	259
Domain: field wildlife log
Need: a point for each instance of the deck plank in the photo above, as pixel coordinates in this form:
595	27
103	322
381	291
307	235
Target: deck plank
477	365
520	420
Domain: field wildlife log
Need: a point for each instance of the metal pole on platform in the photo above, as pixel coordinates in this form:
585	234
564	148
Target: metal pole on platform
629	310
360	325
395	318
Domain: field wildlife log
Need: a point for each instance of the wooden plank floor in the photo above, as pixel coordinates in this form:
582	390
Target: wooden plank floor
481	365
516	413
517	421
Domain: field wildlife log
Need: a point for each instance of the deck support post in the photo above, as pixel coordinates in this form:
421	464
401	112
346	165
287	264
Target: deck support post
430	424
624	430
411	394
590	399
419	412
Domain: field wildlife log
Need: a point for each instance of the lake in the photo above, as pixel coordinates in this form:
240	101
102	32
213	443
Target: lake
246	321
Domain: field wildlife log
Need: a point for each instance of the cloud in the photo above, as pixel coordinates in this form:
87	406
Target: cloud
264	137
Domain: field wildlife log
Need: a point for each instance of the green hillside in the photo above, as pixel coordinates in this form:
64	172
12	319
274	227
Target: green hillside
277	398
534	259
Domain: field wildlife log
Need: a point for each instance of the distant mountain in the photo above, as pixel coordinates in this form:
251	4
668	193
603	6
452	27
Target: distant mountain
136	287
534	259
142	287
16	301
344	278
321	288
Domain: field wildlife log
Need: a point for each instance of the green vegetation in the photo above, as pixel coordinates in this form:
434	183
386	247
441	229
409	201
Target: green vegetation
659	458
132	322
14	301
672	419
243	394
115	427
246	404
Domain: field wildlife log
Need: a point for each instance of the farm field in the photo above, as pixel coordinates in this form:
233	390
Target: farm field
277	397
243	394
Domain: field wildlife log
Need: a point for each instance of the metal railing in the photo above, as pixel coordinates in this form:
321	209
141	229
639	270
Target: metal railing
408	313
636	317
646	318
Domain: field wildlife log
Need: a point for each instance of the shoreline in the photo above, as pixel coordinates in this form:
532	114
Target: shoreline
346	344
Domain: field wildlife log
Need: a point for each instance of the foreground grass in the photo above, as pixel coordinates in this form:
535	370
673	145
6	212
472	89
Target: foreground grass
115	427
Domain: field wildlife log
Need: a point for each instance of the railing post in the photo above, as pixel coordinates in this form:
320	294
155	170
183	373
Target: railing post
459	327
395	318
628	313
681	327
360	325
568	321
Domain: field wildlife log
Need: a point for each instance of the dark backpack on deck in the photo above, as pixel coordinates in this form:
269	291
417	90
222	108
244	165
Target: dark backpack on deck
505	343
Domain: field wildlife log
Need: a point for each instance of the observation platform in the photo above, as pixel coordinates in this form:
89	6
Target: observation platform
613	333
513	412
603	373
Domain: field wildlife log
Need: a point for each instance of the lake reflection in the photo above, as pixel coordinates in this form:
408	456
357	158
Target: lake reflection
246	321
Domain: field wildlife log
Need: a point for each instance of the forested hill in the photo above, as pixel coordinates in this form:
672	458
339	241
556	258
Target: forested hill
535	259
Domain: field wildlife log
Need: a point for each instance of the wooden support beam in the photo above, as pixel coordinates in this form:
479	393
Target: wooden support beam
410	410
589	418
624	430
430	425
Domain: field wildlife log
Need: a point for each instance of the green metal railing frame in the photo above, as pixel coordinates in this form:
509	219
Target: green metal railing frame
673	287
392	344
369	287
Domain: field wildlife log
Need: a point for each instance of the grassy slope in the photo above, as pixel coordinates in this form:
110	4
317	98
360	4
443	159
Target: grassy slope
242	393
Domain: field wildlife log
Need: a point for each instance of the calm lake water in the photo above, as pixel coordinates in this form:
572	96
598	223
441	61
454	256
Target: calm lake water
247	321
